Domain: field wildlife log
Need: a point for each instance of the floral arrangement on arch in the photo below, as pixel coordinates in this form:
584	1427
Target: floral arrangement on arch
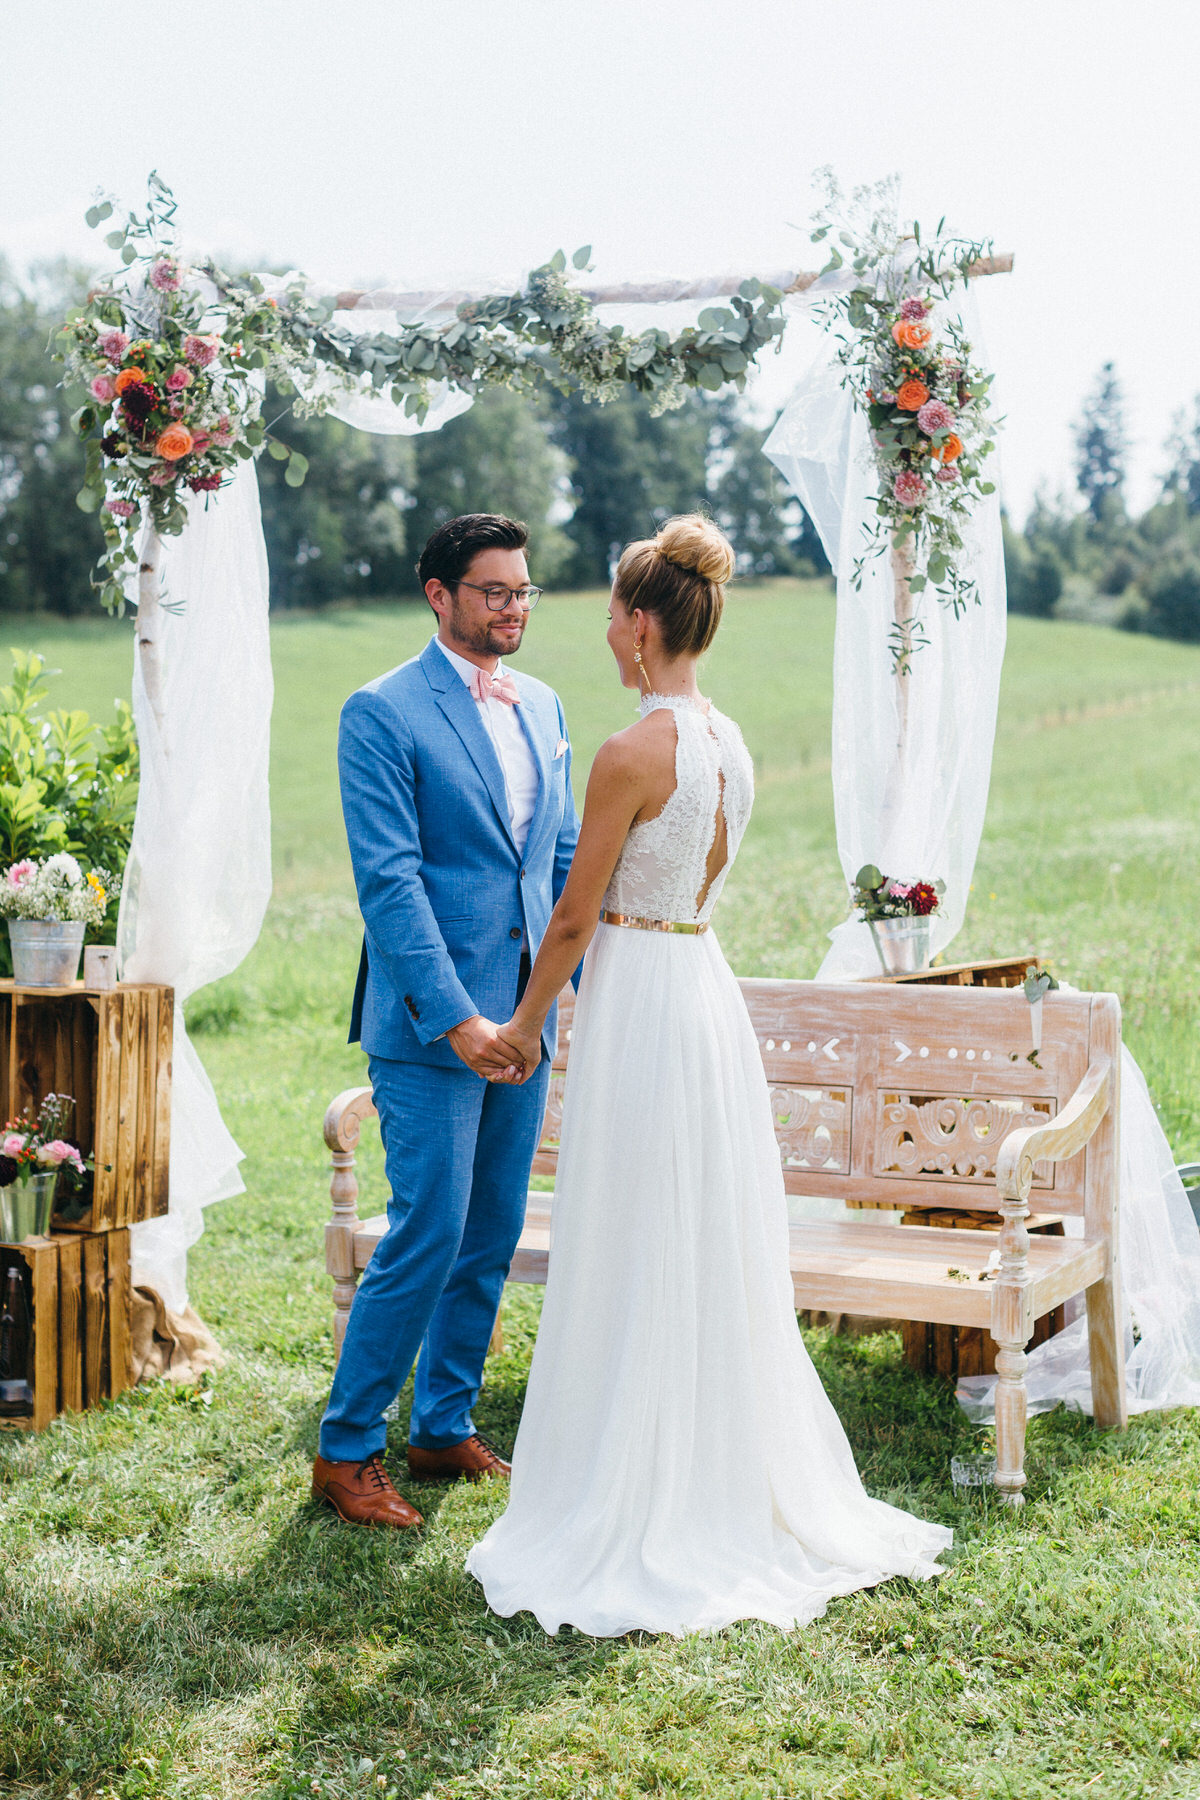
909	366
56	889
879	896
172	375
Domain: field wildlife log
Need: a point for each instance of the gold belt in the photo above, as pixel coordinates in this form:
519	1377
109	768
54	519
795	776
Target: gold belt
612	918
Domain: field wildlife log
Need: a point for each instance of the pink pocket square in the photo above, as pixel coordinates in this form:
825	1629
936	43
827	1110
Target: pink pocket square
563	747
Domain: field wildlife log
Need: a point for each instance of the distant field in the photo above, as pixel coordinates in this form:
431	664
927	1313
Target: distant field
176	1619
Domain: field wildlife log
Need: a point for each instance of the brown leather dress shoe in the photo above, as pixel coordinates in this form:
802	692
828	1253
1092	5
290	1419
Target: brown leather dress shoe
474	1458
362	1493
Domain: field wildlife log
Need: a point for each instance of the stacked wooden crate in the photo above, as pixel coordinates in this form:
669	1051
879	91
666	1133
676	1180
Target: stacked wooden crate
111	1051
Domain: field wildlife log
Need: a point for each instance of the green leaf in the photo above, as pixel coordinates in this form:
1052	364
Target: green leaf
279	451
128	255
715	318
104	210
711	377
987	487
869	877
582	258
88	499
114	239
296	470
558	262
91	217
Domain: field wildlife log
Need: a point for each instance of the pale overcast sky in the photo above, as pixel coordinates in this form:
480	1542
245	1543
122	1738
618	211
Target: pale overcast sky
406	140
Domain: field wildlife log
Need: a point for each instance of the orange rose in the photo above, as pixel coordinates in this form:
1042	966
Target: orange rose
910	334
912	396
127	379
175	442
950	449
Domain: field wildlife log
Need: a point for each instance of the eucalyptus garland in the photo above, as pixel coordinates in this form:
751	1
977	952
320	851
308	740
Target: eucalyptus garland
169	360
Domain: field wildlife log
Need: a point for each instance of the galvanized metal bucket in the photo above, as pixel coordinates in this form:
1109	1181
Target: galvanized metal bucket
45	952
26	1206
903	944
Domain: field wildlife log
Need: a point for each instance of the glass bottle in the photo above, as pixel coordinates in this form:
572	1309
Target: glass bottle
16	1394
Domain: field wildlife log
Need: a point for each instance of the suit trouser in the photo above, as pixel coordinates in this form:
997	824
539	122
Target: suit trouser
458	1150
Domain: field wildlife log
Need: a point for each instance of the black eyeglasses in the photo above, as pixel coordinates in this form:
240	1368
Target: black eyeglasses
496	599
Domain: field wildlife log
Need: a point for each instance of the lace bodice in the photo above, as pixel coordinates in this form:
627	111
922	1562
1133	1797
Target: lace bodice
662	868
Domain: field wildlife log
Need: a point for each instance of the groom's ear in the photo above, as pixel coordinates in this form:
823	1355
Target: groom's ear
438	596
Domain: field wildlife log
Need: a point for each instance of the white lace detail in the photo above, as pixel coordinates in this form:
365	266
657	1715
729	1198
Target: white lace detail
663	863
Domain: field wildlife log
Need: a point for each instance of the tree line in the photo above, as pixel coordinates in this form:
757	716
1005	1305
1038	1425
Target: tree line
586	478
1085	555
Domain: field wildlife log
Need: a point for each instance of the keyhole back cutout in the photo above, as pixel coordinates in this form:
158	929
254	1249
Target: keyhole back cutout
718	851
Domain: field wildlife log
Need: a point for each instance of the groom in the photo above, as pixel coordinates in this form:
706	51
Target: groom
456	790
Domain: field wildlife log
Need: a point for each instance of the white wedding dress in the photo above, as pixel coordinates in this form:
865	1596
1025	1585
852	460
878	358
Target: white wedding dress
678	1465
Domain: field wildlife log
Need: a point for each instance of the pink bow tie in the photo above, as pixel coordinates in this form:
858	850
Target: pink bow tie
500	686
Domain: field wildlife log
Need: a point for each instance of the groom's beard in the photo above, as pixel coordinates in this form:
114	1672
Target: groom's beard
489	639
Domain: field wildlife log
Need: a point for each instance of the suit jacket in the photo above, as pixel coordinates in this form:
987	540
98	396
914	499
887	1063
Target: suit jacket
444	894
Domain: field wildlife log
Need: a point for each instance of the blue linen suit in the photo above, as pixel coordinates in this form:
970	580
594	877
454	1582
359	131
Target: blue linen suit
446	899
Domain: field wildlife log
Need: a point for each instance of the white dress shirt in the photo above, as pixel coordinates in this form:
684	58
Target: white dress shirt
517	764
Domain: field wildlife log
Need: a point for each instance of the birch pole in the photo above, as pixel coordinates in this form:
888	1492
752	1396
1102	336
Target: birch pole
149	624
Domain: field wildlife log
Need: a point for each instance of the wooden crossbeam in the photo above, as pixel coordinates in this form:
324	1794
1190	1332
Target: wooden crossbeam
432	301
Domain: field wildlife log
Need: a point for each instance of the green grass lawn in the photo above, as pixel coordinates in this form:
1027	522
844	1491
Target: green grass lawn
177	1619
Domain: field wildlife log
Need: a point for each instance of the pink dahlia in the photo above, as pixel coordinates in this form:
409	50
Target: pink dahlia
57	1152
223	433
946	474
200	441
122	509
908	488
12	1145
113	344
165	276
102	388
200	350
912	309
935	415
20	872
179	378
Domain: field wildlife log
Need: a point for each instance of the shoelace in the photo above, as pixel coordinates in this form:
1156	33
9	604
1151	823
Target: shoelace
489	1448
375	1472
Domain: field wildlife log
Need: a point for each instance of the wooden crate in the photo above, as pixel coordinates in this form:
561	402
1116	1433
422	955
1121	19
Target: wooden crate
110	1050
80	1300
954	1350
1000	971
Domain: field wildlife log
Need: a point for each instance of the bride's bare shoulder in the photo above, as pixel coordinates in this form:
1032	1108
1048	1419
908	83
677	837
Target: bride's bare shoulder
638	753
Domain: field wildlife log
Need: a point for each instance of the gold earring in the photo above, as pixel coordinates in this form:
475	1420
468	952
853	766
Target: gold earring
642	675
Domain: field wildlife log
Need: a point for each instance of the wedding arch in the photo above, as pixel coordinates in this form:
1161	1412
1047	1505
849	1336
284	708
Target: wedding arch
885	442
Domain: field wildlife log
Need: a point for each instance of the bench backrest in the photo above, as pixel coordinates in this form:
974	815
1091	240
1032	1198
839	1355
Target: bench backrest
902	1095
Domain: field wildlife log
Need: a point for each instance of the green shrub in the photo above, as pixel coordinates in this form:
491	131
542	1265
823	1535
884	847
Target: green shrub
65	783
1172	591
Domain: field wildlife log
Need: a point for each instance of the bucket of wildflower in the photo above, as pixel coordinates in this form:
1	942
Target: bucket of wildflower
26	1206
902	944
46	952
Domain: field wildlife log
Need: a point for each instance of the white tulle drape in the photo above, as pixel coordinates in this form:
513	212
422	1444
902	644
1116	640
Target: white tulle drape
915	811
199	873
922	815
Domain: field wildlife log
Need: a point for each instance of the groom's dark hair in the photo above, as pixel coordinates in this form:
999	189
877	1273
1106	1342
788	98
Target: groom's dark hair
450	551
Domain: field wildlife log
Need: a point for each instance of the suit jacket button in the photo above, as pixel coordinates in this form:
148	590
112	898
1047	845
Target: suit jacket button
522	874
515	932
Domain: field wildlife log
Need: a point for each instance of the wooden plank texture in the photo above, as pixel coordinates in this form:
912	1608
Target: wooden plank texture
70	1323
161	1158
132	1015
119	1307
95	1320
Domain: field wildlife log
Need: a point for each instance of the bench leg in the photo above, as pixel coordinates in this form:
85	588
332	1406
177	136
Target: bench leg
1106	1348
344	1290
1010	1423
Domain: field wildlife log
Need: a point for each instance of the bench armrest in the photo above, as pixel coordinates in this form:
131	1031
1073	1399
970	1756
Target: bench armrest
1059	1138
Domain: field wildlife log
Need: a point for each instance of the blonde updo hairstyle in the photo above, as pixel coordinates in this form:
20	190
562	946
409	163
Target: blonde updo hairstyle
680	577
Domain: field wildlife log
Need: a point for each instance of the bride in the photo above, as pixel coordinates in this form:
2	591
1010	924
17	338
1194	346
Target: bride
678	1465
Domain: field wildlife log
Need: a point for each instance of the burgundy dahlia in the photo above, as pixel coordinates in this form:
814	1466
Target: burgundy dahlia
113	446
8	1171
204	484
922	897
139	401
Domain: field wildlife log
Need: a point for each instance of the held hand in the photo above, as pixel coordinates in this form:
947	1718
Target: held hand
523	1046
476	1043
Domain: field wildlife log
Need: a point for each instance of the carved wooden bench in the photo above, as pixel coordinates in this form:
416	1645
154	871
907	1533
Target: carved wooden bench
900	1097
